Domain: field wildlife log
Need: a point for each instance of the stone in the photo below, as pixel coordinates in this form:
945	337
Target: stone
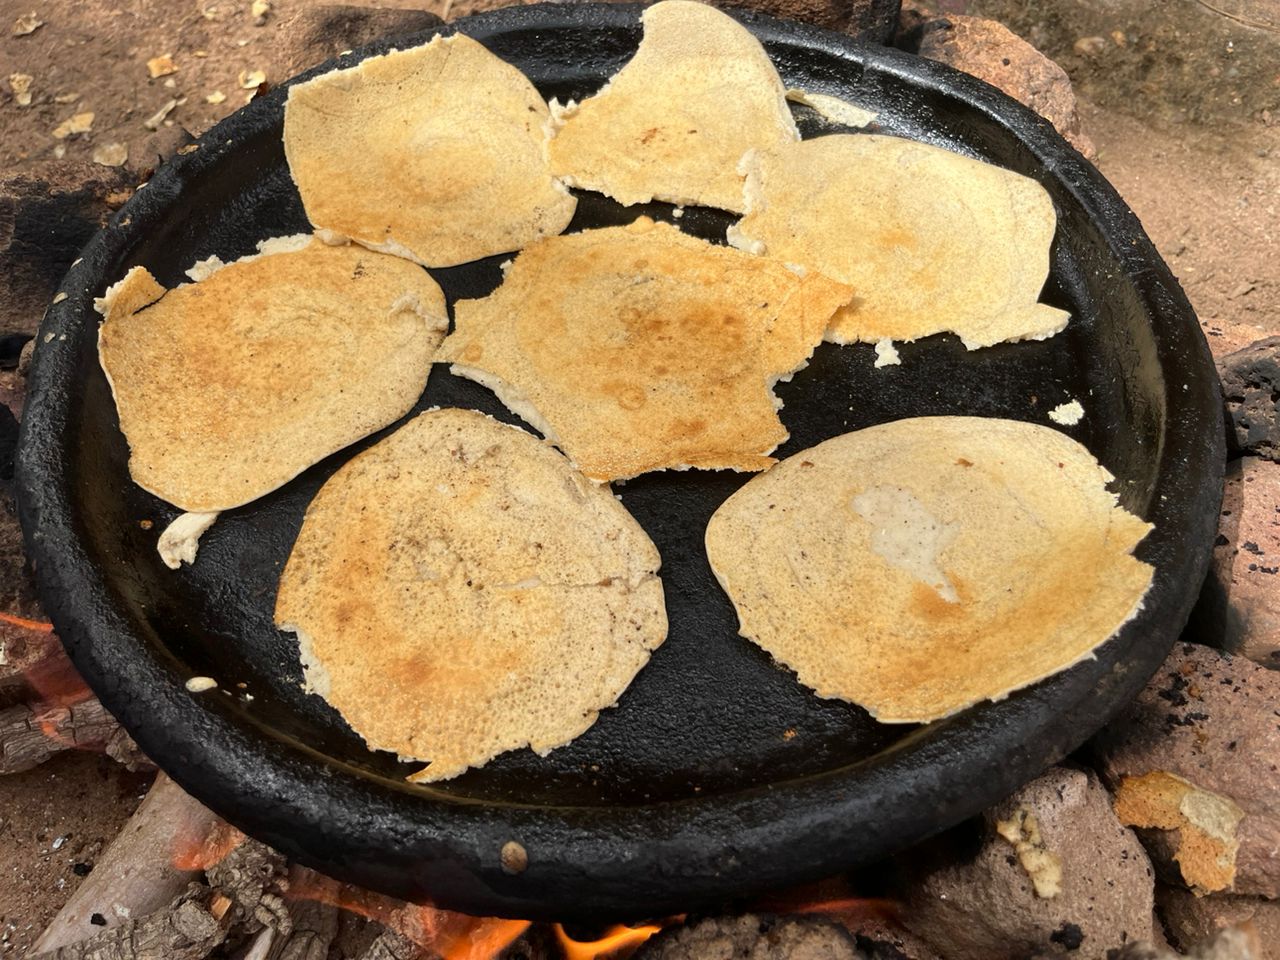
1191	919
1236	943
1240	605
1251	385
316	34
1194	761
990	51
751	937
1055	874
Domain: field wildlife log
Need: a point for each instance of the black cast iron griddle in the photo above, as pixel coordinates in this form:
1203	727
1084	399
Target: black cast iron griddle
718	775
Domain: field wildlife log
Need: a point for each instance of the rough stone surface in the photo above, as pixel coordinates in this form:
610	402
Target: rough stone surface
990	51
1208	719
986	907
315	34
1251	384
751	937
1240	606
1179	64
1191	919
1237	943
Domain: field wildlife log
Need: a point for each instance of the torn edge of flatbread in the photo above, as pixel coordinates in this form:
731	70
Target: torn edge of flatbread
291	243
180	540
833	109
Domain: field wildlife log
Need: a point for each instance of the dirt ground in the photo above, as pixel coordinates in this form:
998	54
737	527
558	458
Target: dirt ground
1211	204
1204	179
55	820
1183	103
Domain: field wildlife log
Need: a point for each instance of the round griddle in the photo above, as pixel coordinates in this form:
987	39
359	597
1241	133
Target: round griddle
718	775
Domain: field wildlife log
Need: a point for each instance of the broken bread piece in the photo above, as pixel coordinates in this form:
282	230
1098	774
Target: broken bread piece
674	122
641	348
436	154
230	387
458	591
922	566
930	240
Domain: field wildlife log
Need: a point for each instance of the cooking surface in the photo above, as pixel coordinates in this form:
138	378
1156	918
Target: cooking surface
717	773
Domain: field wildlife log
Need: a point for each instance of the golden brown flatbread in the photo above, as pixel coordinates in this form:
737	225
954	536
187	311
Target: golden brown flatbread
436	154
930	240
458	590
641	348
921	566
230	387
674	122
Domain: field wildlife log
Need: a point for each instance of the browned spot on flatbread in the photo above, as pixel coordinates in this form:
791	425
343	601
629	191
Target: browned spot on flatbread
624	366
674	122
852	594
971	236
487	598
436	153
230	387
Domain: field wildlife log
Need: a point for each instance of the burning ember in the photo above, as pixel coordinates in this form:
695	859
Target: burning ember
60	712
39	626
198	848
178	875
456	936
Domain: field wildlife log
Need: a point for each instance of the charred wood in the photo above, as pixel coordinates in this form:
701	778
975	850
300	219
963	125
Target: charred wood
139	873
189	929
254	877
315	927
31	735
393	946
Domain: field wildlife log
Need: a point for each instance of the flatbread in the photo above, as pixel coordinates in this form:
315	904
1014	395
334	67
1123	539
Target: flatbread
641	348
458	591
674	122
436	154
230	387
930	240
921	566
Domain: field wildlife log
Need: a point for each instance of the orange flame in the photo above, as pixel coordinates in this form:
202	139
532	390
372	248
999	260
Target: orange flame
835	899
50	718
852	912
306	884
196	851
22	622
481	940
454	936
55	680
619	941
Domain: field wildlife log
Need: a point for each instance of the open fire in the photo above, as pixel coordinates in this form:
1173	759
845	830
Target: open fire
175	861
181	884
173	827
173	842
455	936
